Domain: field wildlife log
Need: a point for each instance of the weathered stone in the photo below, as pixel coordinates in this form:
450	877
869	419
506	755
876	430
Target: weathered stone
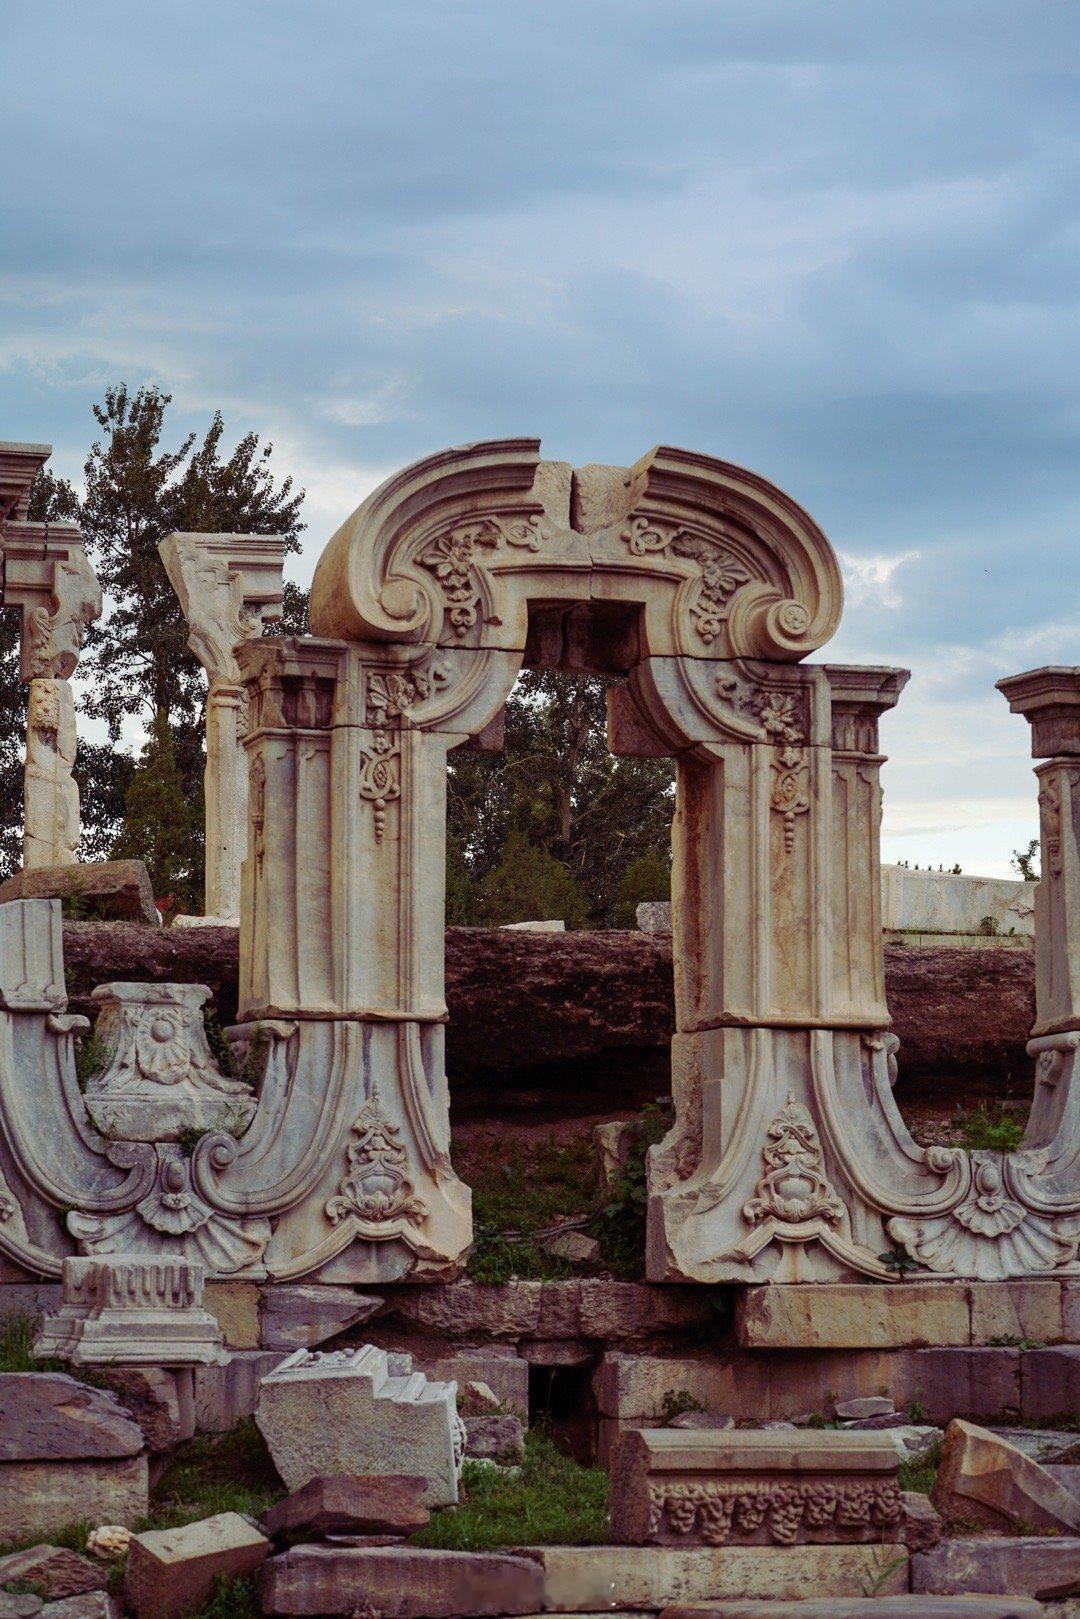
347	1504
355	1411
304	1316
494	1438
1050	1383
404	1582
38	1498
108	1542
1042	1444
1031	1565
575	1246
557	1351
160	1401
171	1572
1023	1308
1070	1312
112	890
226	1393
54	1570
134	1310
18	1605
915	1441
498	1366
960	1382
985	1479
235	1308
853	1315
614	1311
631	1386
704	1420
477	1400
922	1523
680	1488
33	1299
582	1579
1067	1476
90	1605
48	1416
870	1405
901	1607
470	1309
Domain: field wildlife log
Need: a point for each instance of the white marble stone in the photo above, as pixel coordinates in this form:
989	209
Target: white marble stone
361	1411
131	1312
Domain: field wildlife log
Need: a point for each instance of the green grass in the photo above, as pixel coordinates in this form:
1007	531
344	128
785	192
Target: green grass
520	1190
17	1334
233	1599
549	1501
920	1472
983	1131
72	1535
229	1472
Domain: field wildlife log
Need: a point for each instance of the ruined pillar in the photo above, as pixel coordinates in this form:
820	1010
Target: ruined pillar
229	585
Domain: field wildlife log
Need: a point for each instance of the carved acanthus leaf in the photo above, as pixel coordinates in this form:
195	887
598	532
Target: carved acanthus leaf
794	1187
376	1188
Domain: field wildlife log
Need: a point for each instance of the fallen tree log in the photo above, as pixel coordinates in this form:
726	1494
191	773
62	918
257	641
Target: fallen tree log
555	1024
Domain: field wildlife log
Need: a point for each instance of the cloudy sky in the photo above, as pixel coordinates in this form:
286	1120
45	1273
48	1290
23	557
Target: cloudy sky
835	242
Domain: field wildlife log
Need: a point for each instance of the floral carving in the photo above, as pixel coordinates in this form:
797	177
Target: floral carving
1050	806
716	1511
392	693
451	557
380	777
376	1187
791	772
794	1186
721	572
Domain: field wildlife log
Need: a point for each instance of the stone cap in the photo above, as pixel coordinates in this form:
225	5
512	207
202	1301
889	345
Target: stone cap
757	1450
19	466
1049	699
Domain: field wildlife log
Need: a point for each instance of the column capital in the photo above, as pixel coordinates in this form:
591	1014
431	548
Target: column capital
229	585
48	576
1049	699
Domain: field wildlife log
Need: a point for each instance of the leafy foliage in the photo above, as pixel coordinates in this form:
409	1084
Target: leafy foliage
163	822
520	1190
1026	861
549	1501
983	1131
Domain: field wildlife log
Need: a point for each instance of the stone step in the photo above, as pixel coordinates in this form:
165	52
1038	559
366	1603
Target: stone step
1044	1566
403	1581
899	1607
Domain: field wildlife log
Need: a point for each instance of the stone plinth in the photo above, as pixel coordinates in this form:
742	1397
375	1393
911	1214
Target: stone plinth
130	1312
673	1487
361	1411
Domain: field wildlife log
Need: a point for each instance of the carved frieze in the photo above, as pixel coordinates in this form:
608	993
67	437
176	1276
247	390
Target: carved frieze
757	1511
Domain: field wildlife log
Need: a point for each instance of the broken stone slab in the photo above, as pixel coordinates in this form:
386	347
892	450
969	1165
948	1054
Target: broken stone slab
1044	1566
39	1498
901	1607
477	1399
495	1438
984	1479
48	1416
54	1570
1041	1444
1068	1477
91	1605
916	1441
592	1579
574	1246
159	1401
403	1582
304	1315
707	1421
923	1527
678	1488
348	1504
108	890
871	1406
171	1572
228	1392
361	1411
19	1605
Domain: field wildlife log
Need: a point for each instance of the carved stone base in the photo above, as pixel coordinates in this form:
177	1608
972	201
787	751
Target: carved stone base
131	1313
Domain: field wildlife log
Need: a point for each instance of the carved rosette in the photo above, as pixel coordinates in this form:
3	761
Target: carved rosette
756	1511
452	557
721	576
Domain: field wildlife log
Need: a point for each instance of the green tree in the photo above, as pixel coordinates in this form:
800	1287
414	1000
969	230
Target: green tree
556	783
529	885
647	877
163	823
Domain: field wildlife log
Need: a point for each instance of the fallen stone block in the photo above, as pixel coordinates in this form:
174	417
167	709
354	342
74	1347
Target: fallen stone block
92	1605
477	1400
19	1605
985	1480
305	1315
108	890
853	1315
904	1607
227	1393
172	1572
494	1438
39	1498
592	1579
159	1401
869	1406
1043	1566
922	1523
1043	1444
48	1416
1050	1383
54	1570
402	1582
499	1366
360	1411
704	1420
574	1246
677	1488
346	1504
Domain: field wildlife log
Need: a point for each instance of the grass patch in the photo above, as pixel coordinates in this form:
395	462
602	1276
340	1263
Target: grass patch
17	1334
229	1472
549	1500
520	1191
1000	1131
72	1535
919	1473
233	1599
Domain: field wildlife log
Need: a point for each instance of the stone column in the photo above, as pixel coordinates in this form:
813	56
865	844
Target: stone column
228	585
48	577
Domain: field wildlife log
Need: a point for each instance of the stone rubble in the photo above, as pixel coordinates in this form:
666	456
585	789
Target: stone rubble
56	1571
984	1480
348	1504
48	1417
303	1316
171	1572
